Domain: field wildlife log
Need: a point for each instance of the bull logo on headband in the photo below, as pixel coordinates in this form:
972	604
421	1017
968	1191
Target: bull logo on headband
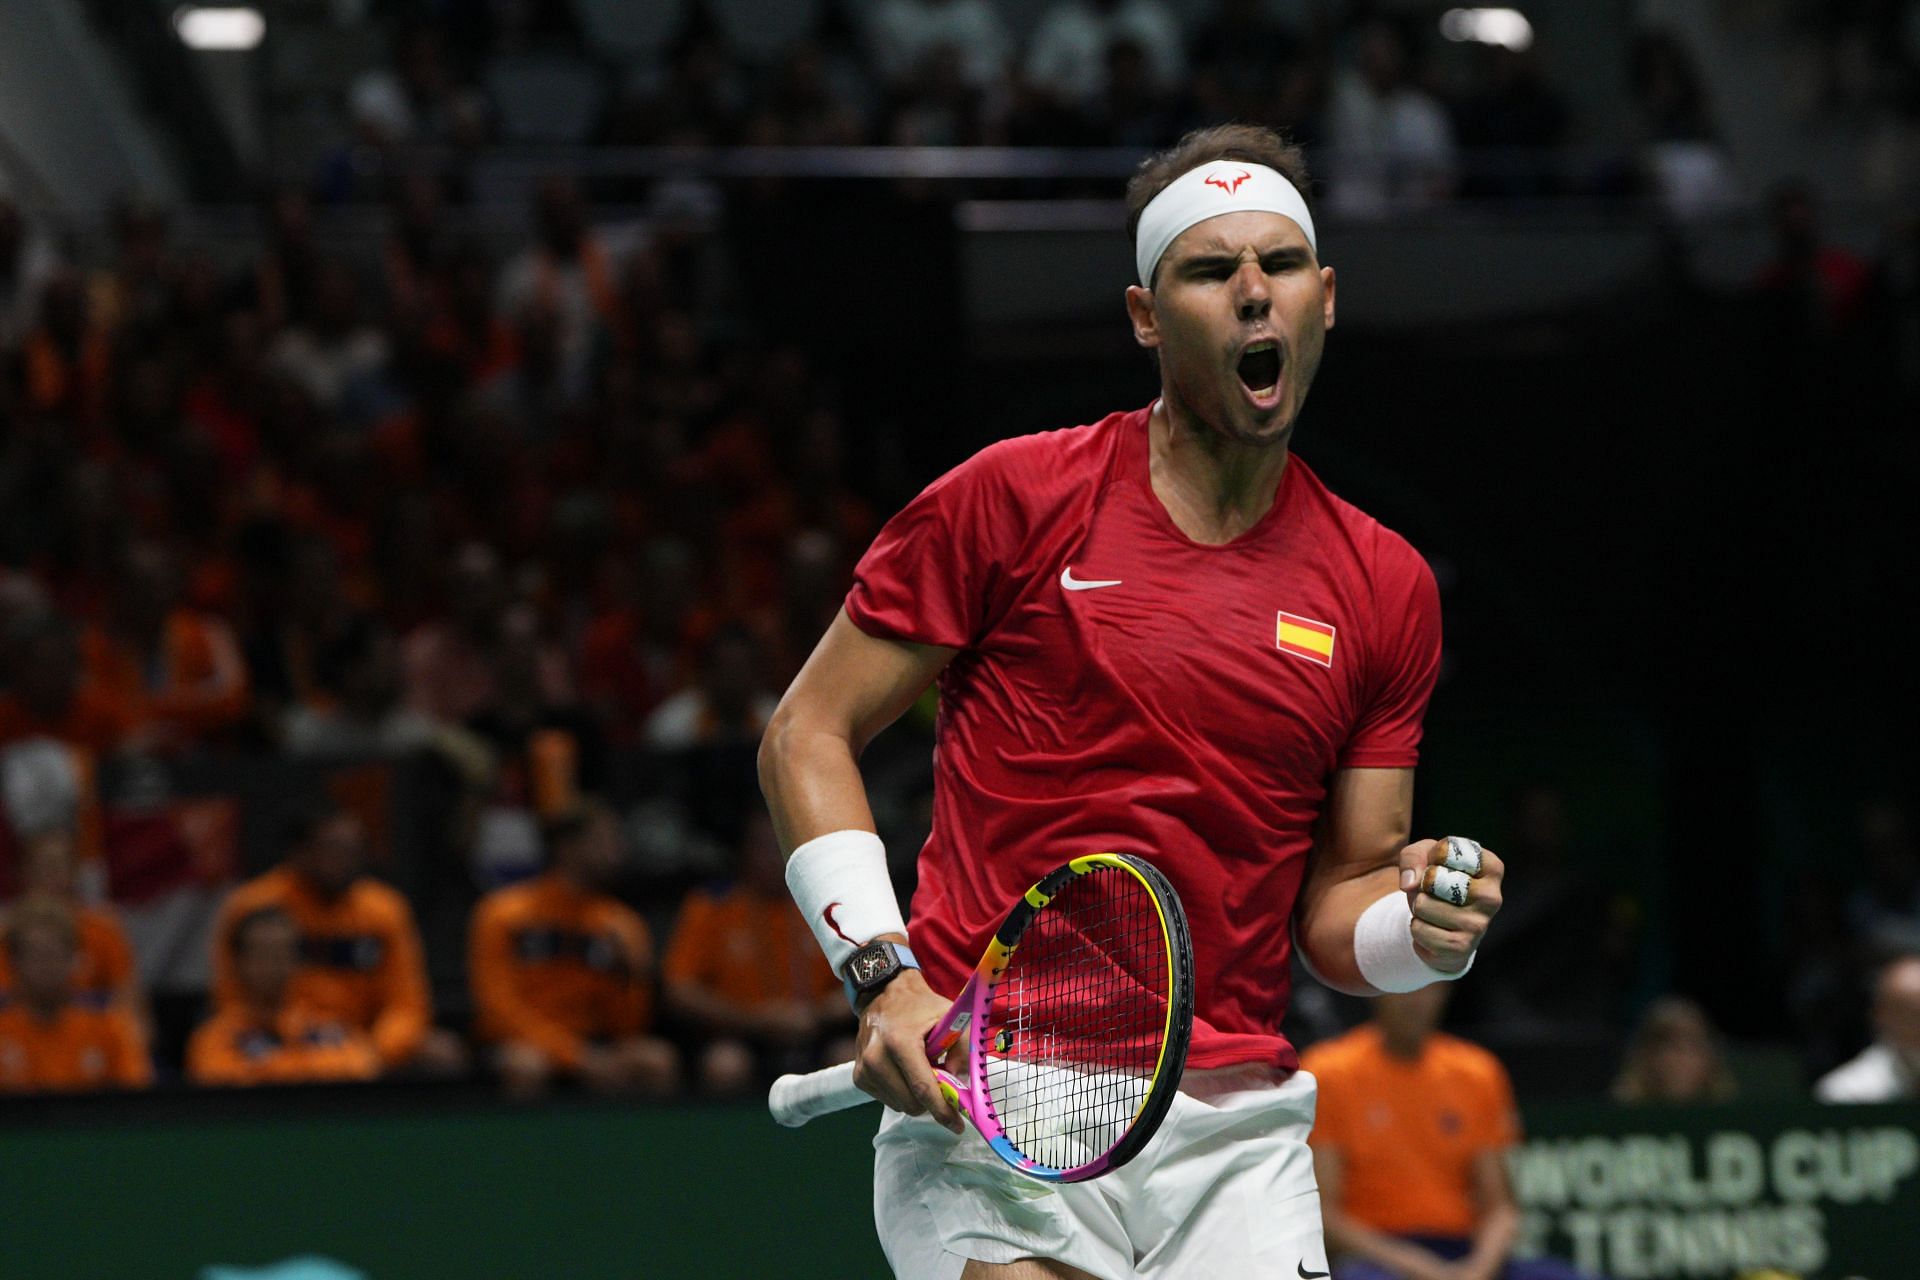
1230	186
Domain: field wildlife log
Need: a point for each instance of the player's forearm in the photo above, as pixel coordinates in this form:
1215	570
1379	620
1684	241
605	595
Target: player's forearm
1324	925
811	781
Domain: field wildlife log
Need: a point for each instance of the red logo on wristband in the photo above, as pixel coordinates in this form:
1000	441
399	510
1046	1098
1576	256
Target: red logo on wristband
826	913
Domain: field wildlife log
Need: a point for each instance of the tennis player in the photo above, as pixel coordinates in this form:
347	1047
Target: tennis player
1160	635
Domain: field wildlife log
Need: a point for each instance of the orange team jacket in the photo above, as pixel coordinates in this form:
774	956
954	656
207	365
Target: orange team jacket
1407	1133
201	681
360	958
557	967
104	971
80	1048
747	949
238	1047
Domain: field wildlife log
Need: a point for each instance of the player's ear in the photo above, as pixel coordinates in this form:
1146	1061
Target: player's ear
1146	325
1326	285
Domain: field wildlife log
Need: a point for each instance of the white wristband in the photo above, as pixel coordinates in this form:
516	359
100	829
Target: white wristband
840	881
1383	948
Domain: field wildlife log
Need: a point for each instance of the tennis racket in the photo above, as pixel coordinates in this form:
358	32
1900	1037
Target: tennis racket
1074	1025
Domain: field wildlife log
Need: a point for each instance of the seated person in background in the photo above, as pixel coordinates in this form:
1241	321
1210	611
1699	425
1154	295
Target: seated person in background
360	957
562	971
182	668
1888	1070
48	1039
268	1037
1674	1056
743	966
104	973
1409	1147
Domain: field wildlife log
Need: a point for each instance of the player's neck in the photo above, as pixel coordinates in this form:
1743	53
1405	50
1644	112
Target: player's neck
1213	489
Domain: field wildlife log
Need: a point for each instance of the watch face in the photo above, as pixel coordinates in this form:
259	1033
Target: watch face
868	965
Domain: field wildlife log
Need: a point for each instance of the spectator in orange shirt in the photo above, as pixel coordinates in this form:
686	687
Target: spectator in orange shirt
562	971
360	957
268	1038
103	974
181	668
744	968
1409	1148
49	1040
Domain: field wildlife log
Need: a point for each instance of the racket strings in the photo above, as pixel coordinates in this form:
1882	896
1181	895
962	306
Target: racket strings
1076	1023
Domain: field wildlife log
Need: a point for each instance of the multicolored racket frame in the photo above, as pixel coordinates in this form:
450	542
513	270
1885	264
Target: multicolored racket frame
1071	1057
1132	1103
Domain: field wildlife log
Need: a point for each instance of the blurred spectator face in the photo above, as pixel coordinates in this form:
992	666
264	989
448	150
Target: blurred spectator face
44	952
335	854
1674	1056
1409	1018
1683	1064
1896	1008
47	865
266	951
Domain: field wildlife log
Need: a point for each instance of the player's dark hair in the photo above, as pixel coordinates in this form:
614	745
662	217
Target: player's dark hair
1252	143
237	935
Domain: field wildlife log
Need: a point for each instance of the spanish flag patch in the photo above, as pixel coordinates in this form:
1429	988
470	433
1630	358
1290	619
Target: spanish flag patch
1305	638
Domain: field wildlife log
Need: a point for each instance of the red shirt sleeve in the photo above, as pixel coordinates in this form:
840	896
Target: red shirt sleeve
1403	663
937	573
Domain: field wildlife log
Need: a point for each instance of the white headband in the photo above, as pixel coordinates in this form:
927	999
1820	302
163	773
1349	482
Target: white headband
1217	187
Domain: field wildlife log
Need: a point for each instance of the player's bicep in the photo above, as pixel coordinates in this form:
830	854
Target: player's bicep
1363	826
1366	821
854	685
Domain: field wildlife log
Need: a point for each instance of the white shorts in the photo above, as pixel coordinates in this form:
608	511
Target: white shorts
1225	1188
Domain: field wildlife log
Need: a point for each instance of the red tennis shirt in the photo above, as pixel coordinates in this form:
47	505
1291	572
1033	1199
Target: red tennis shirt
1121	687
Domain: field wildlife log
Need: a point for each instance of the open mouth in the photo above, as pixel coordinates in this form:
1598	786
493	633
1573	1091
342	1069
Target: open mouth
1259	367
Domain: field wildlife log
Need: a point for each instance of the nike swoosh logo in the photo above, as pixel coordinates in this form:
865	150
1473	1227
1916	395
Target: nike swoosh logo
1311	1275
834	925
1072	583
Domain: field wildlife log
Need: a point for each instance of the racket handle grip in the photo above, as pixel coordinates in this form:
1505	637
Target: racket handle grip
796	1099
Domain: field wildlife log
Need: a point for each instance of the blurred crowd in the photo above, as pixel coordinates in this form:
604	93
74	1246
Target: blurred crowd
1397	117
554	519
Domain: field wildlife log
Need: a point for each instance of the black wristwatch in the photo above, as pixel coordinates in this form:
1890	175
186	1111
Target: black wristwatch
873	967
